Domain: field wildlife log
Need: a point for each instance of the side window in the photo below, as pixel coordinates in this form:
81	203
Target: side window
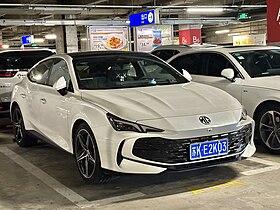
216	63
165	54
190	62
40	73
58	70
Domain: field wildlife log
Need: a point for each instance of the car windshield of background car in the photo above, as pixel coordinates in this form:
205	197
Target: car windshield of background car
109	72
259	63
22	60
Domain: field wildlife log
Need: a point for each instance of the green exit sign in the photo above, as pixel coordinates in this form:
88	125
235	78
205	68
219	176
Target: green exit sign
243	16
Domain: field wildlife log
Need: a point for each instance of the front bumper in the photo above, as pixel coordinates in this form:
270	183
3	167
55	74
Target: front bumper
152	154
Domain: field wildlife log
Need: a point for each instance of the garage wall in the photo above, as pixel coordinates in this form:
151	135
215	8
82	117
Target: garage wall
256	27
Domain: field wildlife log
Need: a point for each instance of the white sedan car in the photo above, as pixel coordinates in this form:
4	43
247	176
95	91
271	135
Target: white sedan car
128	112
252	76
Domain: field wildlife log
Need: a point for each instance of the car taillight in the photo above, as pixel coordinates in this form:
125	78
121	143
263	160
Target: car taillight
7	73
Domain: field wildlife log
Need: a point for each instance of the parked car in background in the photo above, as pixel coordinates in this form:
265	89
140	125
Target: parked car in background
167	51
250	74
14	64
128	112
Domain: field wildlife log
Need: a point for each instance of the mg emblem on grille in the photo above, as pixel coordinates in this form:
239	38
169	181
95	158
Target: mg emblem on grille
204	120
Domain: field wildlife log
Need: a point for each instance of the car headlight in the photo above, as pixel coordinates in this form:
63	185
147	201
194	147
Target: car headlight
244	114
123	125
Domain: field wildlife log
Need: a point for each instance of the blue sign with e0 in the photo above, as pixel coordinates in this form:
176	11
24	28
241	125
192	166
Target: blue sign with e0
27	39
144	18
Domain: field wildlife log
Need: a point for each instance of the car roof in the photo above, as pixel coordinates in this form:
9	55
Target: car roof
183	47
100	53
227	49
25	50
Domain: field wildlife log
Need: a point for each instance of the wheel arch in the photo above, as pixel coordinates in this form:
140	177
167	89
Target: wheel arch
262	105
13	106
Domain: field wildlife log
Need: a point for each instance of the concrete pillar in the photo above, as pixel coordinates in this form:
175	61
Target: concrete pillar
60	41
67	40
1	41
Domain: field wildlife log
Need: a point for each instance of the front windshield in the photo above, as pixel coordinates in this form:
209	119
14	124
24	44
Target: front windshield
123	71
259	63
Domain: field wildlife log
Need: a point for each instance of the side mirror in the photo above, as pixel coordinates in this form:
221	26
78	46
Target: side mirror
228	74
187	75
60	85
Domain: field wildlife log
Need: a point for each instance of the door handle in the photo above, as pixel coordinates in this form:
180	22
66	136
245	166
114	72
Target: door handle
23	95
43	100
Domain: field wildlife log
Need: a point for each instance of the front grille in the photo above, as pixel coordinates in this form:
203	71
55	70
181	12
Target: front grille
177	150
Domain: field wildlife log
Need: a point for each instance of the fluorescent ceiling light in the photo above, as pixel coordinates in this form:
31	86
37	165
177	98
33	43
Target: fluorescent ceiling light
84	39
222	32
50	36
234	34
5	46
38	40
201	10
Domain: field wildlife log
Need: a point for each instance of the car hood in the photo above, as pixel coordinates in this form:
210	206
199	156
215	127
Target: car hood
162	101
271	82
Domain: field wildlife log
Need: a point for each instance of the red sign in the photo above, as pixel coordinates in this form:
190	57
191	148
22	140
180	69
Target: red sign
273	20
190	36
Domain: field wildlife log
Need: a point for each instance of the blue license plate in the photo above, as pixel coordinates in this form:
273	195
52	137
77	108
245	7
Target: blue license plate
208	149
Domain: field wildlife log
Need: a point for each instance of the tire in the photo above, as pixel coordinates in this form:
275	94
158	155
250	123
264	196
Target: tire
268	127
21	136
87	156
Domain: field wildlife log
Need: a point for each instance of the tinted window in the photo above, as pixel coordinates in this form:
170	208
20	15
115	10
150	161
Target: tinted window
59	69
191	62
216	63
23	60
123	71
259	63
165	54
40	73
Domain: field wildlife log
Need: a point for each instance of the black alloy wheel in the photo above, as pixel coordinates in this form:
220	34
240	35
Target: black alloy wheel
21	136
268	127
87	155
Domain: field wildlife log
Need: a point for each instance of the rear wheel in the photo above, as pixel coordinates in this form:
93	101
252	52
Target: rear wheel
268	127
21	136
87	155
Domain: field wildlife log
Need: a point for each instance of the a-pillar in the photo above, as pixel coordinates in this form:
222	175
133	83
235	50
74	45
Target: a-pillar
67	39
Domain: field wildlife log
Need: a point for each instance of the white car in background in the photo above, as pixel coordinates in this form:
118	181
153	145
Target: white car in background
252	76
14	64
128	112
165	52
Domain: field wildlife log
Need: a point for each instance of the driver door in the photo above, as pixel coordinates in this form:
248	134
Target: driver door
214	63
56	106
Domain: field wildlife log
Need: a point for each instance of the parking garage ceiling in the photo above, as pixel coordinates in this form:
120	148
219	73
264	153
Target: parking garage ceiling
19	17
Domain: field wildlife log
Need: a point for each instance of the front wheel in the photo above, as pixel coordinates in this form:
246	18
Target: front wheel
87	155
21	136
268	127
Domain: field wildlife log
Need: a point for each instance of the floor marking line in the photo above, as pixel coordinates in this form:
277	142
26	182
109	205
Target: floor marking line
262	161
105	201
44	177
271	166
60	188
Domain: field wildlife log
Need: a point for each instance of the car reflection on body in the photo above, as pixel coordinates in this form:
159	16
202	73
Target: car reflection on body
128	112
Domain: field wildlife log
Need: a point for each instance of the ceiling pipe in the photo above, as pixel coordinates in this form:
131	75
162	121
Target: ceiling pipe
119	22
46	6
87	6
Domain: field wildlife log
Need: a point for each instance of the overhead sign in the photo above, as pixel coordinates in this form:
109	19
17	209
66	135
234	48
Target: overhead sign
247	40
190	34
243	16
273	20
144	18
27	39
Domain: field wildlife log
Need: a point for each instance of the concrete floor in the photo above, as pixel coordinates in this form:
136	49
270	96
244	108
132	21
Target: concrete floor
43	177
